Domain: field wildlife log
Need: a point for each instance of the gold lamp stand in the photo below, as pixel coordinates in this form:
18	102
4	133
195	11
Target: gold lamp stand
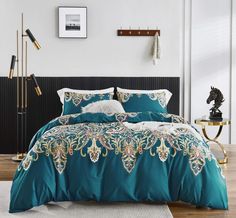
18	157
22	79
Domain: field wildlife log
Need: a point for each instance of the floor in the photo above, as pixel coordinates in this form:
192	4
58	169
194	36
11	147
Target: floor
7	169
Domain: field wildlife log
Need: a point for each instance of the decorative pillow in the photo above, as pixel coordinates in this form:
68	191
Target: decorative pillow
144	100
105	106
73	102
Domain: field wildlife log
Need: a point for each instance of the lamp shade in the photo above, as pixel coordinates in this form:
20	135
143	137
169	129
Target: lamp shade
32	38
36	85
12	67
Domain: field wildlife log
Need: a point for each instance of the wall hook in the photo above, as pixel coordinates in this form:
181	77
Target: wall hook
120	31
137	32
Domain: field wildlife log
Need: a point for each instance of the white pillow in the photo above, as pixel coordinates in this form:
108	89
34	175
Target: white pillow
61	92
104	106
168	94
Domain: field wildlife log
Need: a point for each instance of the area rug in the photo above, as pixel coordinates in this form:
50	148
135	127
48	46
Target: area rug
84	209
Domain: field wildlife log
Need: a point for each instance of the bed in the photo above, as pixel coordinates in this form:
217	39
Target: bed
147	155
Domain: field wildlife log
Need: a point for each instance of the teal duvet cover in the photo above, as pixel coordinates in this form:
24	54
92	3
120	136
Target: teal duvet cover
118	157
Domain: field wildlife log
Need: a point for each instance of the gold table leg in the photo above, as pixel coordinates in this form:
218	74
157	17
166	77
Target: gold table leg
215	140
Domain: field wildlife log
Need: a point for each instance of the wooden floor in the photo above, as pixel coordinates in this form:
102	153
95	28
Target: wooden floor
179	210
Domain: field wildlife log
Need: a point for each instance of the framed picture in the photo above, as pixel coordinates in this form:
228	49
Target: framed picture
73	22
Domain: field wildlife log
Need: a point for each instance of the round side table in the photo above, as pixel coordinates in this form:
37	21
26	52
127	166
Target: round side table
220	124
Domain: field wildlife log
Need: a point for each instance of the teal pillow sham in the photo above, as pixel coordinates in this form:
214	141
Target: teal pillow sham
144	100
73	102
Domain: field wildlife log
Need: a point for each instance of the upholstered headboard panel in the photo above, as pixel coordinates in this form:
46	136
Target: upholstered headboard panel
43	109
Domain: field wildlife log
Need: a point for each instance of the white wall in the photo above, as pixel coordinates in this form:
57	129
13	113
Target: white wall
233	73
210	57
102	53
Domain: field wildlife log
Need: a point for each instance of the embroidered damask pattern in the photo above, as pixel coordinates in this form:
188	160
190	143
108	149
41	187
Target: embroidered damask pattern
175	118
64	120
98	139
121	117
76	98
160	97
163	151
59	154
123	97
94	151
129	156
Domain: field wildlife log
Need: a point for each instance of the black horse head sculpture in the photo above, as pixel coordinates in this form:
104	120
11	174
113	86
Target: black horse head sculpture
217	96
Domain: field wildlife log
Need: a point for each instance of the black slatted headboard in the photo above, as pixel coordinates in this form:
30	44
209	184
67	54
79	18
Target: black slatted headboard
43	109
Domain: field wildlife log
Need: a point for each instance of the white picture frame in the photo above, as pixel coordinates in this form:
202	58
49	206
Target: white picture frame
72	22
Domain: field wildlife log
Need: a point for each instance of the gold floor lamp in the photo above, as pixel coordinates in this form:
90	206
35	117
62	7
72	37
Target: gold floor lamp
22	79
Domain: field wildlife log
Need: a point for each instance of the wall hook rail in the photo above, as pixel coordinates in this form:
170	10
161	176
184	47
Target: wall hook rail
137	32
